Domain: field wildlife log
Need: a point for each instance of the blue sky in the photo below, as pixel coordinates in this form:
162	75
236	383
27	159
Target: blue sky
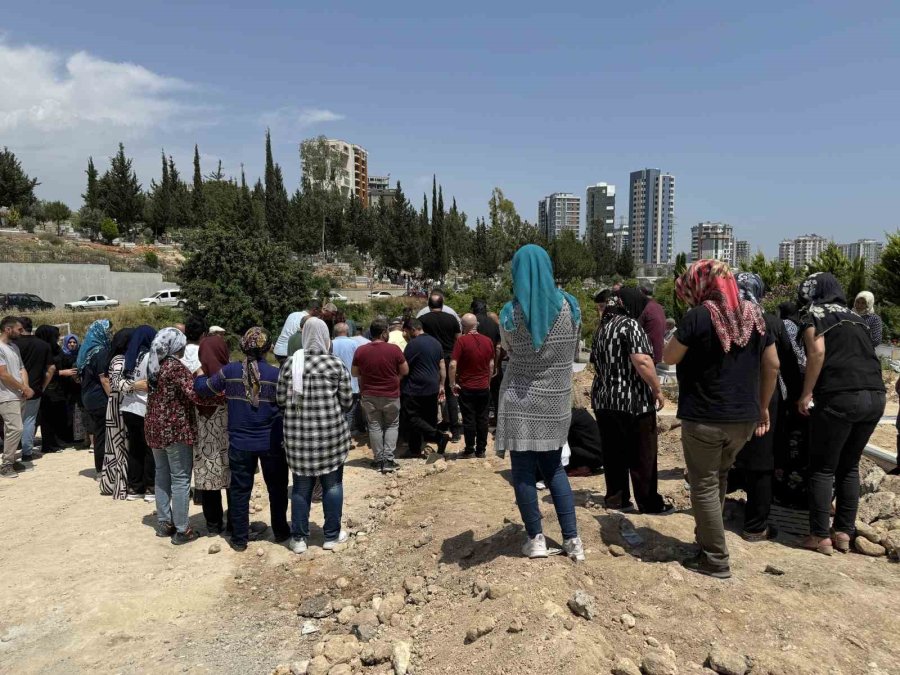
779	118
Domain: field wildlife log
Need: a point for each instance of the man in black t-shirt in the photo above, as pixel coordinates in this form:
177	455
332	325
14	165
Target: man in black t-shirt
444	328
38	361
727	368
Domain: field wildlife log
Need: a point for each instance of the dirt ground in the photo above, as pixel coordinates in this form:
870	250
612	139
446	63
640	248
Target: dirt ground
87	587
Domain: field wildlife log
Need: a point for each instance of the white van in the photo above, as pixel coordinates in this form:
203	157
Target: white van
171	297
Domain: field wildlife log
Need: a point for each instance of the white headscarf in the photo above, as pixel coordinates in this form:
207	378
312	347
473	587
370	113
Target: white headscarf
316	339
168	342
869	300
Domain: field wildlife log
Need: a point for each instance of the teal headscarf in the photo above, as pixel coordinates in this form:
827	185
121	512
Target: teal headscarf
96	339
536	294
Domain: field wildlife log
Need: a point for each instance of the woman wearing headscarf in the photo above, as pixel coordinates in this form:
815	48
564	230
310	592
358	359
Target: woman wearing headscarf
91	364
133	385
254	435
211	472
70	383
171	430
539	329
113	478
843	375
727	367
52	413
755	463
314	393
865	307
626	396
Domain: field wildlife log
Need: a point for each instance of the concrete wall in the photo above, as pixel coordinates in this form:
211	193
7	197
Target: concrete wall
60	283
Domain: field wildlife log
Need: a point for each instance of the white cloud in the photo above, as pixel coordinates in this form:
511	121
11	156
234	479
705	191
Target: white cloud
299	118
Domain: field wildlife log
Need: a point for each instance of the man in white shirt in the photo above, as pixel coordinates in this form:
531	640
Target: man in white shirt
291	326
14	391
194	329
445	308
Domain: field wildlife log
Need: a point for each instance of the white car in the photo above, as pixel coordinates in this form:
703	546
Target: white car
380	294
334	296
92	302
171	297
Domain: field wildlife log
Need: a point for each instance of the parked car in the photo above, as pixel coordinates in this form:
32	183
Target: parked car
333	296
170	297
92	302
381	294
25	302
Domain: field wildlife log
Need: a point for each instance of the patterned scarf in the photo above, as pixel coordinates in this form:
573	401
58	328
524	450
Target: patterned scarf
167	343
710	283
751	286
255	344
96	339
825	305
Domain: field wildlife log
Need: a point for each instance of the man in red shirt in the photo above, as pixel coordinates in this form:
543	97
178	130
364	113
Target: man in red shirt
471	366
379	366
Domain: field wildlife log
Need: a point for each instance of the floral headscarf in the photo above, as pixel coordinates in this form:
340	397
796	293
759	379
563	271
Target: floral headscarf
824	303
751	286
254	344
96	339
167	343
710	283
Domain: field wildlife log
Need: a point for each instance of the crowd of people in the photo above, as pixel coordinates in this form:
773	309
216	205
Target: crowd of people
779	405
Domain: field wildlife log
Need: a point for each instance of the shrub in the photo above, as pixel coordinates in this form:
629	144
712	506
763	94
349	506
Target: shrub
28	223
151	259
109	230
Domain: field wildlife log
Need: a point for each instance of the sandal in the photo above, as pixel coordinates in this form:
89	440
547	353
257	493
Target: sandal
841	541
767	534
819	545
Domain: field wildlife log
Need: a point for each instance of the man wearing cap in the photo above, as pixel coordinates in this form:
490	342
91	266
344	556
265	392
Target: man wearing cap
396	336
216	330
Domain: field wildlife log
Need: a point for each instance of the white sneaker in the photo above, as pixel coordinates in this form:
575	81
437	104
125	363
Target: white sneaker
574	548
297	545
150	498
535	548
133	497
331	543
540	485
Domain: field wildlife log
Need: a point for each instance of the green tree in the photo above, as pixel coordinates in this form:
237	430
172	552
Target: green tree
198	196
91	195
572	259
89	220
857	278
460	238
602	251
320	162
16	187
831	260
483	255
109	230
58	212
625	264
121	197
437	261
160	206
263	285
886	274
768	270
276	196
394	249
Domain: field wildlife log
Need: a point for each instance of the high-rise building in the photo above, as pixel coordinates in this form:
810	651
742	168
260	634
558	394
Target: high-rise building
741	252
805	248
620	239
557	212
380	190
712	241
868	249
600	206
651	212
352	177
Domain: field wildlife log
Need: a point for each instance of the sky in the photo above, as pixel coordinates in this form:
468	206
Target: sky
778	118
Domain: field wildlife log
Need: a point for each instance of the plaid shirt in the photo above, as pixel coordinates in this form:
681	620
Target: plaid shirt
316	437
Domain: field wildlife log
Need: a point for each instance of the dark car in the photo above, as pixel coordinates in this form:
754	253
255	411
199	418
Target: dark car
23	302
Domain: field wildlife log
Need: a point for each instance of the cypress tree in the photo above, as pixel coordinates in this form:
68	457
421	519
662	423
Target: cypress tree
198	199
91	196
121	197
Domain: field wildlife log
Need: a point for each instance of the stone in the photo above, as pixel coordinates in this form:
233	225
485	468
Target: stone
890	484
870	532
866	547
414	584
891	524
625	666
342	583
891	543
652	642
497	591
416	598
516	626
568	624
376	653
299	667
400	657
658	662
214	548
877	505
551	609
339	604
390	606
341	669
346	615
365	633
366	617
423	540
309	627
318	666
282	669
483	625
316	607
726	661
628	621
871	481
260	553
617	551
583	604
342	649
774	570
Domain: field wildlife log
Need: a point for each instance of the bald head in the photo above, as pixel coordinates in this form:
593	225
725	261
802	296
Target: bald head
341	329
469	322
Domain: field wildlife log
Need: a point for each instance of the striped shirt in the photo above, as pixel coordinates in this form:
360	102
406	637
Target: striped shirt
617	384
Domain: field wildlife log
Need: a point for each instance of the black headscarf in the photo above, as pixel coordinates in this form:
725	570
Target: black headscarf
50	335
788	311
119	345
824	304
629	301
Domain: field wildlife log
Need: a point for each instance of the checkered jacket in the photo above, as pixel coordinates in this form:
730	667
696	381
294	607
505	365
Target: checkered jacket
316	436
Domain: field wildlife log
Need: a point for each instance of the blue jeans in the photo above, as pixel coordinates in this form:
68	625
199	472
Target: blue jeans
525	466
29	423
275	474
332	503
173	484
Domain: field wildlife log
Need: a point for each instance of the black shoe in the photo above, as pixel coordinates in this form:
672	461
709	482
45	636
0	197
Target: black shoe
457	437
185	537
214	529
480	454
443	441
239	546
389	467
165	530
700	564
375	464
24	465
279	538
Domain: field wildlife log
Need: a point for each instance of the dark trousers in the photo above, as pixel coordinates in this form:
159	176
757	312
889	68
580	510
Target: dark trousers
98	429
421	413
53	417
275	474
450	407
211	500
840	428
629	448
141	467
758	485
475	405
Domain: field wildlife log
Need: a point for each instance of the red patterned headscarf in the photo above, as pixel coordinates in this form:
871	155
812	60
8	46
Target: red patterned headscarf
710	283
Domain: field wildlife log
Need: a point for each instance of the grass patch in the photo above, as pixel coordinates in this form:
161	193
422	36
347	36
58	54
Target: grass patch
121	317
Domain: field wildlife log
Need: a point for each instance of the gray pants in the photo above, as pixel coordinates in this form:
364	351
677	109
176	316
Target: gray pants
11	412
710	449
383	414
